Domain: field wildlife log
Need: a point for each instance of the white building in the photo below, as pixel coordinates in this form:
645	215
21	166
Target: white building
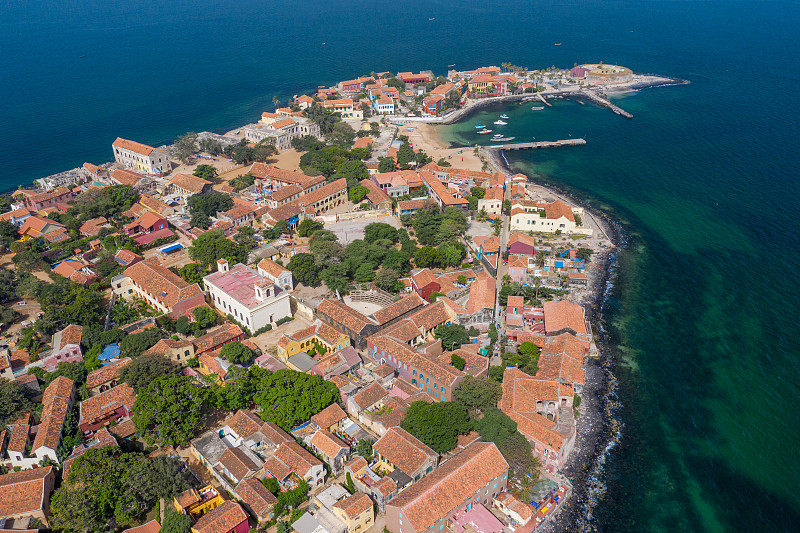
140	156
384	106
252	299
527	215
279	275
281	129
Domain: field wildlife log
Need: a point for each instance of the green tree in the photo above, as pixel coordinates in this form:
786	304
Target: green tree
507	206
307	143
236	352
437	424
186	146
354	172
405	155
364	449
452	335
13	401
169	410
8	233
303	269
308	226
175	522
206	172
205	317
138	343
287	397
497	427
357	194
457	361
380	230
386	278
478	393
365	273
427	256
342	135
497	226
209	204
213	245
496	373
271	485
478	192
385	164
241	182
182	325
193	273
140	372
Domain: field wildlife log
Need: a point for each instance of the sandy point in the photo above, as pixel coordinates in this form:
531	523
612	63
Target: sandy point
426	137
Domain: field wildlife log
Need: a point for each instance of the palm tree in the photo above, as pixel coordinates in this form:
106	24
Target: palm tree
526	486
537	283
275	101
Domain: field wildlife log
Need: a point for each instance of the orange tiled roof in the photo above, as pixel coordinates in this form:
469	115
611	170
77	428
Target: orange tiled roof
237	463
333	414
244	423
271	267
188	182
481	294
327	443
221	519
396	309
218	336
296	457
256	496
447	488
404	450
25	491
564	315
133	146
562	358
354	504
98	406
369	396
344	314
162	284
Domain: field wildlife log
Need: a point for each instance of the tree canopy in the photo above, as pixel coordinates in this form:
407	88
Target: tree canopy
204	206
287	397
452	335
437	424
169	410
478	393
13	401
107	488
236	352
433	227
497	427
213	245
303	269
141	371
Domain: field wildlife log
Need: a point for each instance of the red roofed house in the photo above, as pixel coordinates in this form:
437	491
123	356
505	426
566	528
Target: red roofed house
542	410
26	495
39	227
473	477
140	156
148	228
42	200
76	271
521	244
433	103
159	287
227	518
423	282
113	405
185	185
66	348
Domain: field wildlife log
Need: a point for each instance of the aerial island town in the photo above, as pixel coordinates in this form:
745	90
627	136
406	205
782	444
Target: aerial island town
326	321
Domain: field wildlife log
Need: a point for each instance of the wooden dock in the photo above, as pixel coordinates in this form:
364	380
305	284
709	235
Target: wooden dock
594	97
537	144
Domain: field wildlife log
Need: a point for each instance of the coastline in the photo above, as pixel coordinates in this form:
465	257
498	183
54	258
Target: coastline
597	430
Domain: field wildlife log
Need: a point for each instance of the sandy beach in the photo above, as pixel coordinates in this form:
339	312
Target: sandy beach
426	137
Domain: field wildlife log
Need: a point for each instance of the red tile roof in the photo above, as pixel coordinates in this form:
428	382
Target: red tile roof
481	294
237	463
369	396
564	315
25	491
296	457
221	519
133	146
396	309
327	443
333	414
404	450
354	504
448	487
343	314
189	183
256	496
162	284
106	402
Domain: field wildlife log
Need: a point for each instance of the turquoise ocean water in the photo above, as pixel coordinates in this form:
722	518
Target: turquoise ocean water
704	179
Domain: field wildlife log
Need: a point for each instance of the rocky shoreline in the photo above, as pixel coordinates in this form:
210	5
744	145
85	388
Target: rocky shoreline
597	430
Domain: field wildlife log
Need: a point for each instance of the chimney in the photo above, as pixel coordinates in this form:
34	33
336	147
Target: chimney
222	265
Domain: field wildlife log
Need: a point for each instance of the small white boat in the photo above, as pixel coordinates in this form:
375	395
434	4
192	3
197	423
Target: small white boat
483	127
558	44
537	108
497	135
503	116
500	122
484	132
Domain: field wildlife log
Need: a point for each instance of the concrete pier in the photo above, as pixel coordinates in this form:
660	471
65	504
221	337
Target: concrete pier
537	144
545	102
596	98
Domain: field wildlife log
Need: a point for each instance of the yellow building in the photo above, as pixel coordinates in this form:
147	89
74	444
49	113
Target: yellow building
306	339
356	512
345	107
196	503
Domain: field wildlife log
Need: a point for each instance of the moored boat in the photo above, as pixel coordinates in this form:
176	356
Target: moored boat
537	108
482	127
484	132
500	122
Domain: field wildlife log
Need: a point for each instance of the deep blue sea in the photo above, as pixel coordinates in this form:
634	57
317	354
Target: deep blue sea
704	179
